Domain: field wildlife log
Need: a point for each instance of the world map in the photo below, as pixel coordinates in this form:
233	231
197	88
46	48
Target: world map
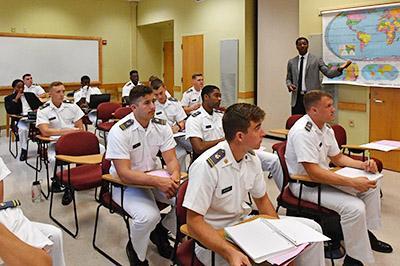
368	37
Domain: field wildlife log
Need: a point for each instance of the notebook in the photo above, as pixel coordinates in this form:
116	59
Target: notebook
269	239
352	173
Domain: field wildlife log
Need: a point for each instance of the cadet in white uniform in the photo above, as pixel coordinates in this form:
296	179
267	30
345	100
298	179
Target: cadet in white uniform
191	98
169	109
133	144
82	97
39	235
31	87
311	146
204	129
134	81
219	183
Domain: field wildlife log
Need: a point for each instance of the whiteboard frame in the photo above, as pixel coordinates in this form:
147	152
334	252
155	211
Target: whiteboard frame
65	37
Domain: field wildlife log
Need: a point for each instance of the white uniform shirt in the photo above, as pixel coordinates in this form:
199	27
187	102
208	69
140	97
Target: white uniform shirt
190	97
307	143
25	105
63	117
127	139
205	126
85	92
127	88
171	111
220	192
35	88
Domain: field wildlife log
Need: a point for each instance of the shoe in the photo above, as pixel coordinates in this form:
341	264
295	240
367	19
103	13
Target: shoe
56	186
159	237
67	197
24	154
349	261
378	245
133	258
335	252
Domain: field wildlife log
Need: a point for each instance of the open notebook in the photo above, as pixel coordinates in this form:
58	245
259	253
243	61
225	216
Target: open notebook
273	240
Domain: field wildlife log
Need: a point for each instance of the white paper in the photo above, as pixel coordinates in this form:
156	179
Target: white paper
354	172
379	147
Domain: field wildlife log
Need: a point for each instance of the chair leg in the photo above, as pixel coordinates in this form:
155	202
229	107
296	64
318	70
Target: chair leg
13	154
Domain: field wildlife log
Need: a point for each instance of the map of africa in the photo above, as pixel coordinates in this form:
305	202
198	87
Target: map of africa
368	37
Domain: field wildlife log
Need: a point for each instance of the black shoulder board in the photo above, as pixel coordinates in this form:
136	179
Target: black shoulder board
219	111
216	157
44	106
252	152
129	83
159	121
189	90
67	101
308	126
172	99
126	124
196	113
327	125
35	84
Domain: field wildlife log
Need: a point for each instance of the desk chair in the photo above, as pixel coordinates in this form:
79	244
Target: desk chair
295	206
80	148
183	249
121	112
13	134
292	120
104	115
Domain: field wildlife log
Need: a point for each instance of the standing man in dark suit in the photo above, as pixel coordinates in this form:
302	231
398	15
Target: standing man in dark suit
303	74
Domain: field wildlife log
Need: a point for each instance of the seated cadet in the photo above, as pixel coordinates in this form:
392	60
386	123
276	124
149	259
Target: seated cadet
204	129
219	183
134	81
82	96
33	87
311	145
58	117
17	104
191	98
133	143
41	236
171	110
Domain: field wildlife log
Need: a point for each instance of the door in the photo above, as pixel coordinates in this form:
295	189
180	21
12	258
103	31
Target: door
192	58
168	75
385	123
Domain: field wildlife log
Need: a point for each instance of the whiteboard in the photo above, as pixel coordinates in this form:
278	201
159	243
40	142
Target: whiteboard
49	59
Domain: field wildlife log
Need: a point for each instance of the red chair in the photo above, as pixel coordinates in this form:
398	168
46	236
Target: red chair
292	120
297	207
183	249
341	138
105	113
87	173
121	112
107	202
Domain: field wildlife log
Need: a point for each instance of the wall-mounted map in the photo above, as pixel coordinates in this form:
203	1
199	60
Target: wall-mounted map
369	37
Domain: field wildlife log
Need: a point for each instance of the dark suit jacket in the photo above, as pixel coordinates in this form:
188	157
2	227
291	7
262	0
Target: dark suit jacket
312	77
15	108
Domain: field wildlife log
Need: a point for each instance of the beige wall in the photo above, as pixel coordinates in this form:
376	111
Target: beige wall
216	20
311	23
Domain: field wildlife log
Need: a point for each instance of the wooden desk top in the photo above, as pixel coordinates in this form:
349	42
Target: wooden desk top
86	159
279	131
45	139
184	228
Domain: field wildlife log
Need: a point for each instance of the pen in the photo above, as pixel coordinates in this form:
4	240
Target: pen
368	157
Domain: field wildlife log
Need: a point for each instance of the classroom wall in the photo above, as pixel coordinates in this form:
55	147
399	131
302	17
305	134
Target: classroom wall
216	20
311	23
110	19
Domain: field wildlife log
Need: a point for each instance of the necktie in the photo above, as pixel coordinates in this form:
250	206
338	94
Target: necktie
300	79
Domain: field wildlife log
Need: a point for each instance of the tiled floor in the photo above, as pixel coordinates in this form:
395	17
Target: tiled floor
113	233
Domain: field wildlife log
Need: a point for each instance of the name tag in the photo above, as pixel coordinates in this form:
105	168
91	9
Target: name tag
208	126
52	118
158	113
136	145
225	190
194	100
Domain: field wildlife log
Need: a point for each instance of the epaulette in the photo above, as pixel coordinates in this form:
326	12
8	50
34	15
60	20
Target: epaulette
35	84
252	152
159	121
127	124
308	126
196	113
216	157
218	111
327	125
172	99
67	101
129	83
189	90
44	106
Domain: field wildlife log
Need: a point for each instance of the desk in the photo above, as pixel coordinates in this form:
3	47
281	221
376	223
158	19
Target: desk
281	132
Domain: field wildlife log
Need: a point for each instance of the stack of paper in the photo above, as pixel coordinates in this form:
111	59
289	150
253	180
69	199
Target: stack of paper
273	240
352	173
382	145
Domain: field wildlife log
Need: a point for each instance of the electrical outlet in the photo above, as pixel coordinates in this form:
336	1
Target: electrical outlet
351	123
13	29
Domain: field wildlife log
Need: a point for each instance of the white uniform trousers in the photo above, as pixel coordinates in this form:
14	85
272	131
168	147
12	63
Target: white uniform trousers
23	131
313	255
270	163
357	215
141	206
55	235
183	147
